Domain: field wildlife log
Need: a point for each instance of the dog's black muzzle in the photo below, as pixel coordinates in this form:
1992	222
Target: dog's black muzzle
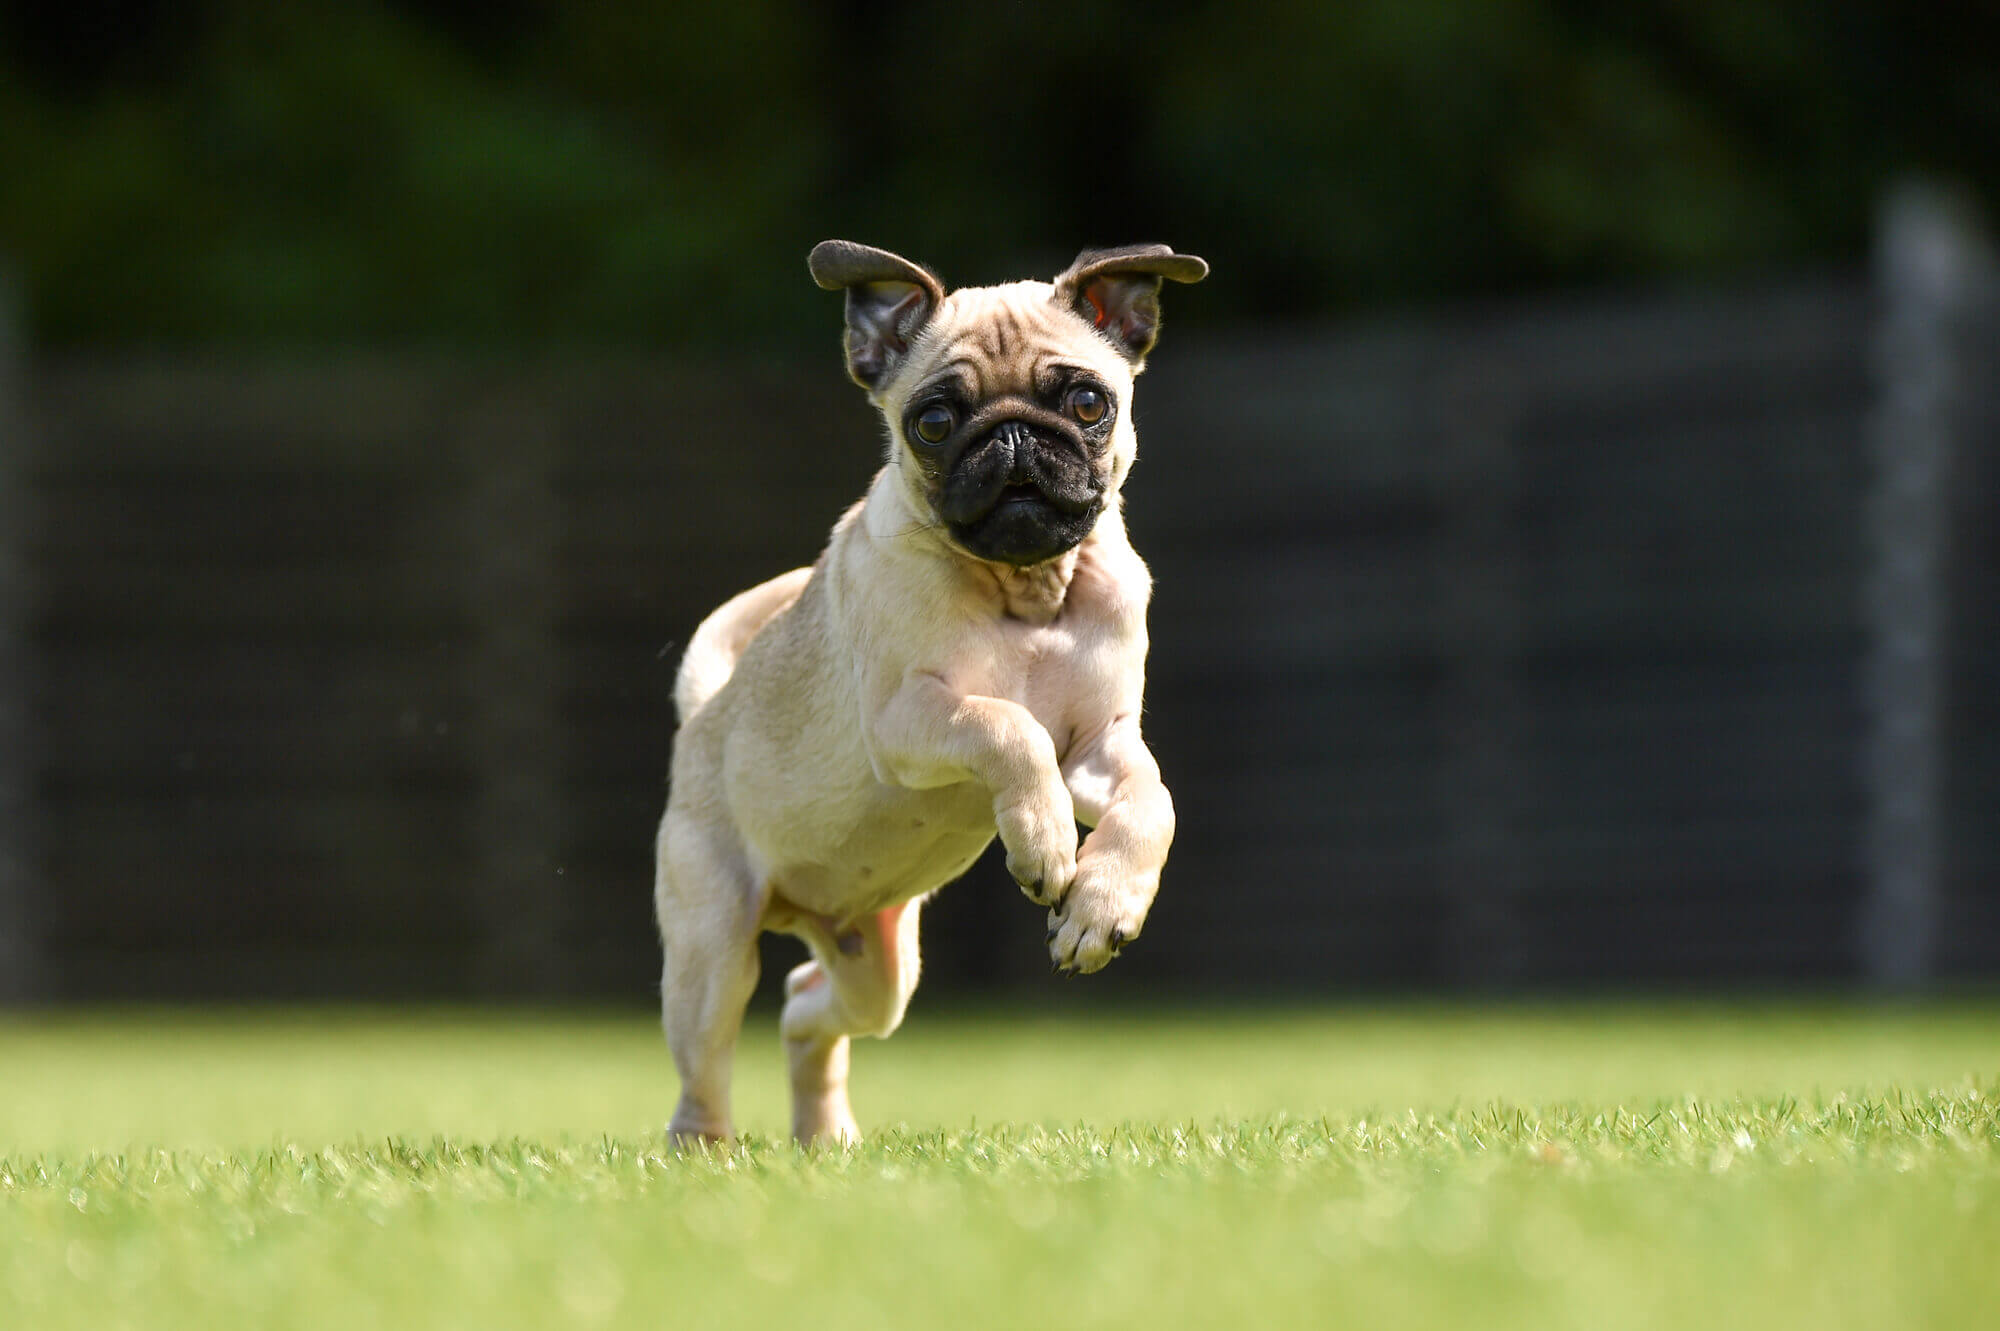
1019	495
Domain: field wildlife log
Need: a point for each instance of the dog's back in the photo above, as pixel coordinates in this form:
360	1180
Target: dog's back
718	644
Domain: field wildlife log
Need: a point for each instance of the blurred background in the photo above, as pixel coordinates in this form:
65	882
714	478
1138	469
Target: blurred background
1572	498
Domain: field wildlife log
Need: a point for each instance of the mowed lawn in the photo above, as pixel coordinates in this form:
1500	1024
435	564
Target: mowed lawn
1576	1165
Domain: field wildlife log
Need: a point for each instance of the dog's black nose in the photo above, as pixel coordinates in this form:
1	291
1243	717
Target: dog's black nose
1018	440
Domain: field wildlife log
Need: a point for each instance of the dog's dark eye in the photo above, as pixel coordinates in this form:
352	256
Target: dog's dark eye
933	424
1086	404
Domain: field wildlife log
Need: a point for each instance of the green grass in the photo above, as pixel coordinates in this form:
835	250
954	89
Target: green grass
1528	1166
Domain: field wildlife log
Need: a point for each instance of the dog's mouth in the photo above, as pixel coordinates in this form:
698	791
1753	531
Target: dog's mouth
1019	498
1022	529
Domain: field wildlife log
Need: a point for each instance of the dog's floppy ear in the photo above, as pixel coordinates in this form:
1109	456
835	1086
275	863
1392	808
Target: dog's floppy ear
888	300
1118	291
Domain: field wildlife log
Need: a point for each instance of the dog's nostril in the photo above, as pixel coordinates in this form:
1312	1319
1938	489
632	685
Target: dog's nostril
1014	437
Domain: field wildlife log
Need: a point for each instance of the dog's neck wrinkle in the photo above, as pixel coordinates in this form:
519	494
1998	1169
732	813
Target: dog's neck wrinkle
1036	594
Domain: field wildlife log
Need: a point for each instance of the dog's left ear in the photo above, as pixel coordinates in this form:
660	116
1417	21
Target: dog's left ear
888	300
1118	291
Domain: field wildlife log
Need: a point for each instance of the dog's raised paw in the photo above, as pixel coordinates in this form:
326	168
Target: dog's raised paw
1093	925
1041	849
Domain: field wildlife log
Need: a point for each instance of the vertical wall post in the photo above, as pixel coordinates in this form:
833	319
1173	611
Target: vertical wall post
1476	470
514	677
19	954
1930	267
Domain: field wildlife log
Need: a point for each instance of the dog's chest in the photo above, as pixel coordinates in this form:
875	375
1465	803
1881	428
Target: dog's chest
1064	671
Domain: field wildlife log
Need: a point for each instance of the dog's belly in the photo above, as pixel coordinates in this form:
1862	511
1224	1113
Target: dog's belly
892	845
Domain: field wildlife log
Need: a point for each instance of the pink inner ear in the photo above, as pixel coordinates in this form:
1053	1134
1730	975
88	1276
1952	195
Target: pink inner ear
1090	293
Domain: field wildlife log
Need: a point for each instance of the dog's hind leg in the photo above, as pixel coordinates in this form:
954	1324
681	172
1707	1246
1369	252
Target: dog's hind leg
708	915
858	983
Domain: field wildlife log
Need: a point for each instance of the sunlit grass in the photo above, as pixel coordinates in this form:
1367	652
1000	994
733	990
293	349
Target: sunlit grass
1533	1167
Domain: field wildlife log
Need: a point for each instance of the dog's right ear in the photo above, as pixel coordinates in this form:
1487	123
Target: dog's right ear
1117	292
888	300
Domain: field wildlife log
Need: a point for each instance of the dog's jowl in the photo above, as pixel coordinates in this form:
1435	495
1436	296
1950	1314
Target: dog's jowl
966	660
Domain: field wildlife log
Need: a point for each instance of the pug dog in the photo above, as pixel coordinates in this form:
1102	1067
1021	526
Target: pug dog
966	659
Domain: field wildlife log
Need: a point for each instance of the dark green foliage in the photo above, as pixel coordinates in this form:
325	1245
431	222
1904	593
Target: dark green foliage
432	171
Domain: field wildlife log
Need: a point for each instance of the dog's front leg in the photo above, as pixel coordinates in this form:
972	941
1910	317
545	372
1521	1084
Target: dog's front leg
1117	791
928	735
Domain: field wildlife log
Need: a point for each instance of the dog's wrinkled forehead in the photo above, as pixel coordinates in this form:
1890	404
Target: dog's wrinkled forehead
1006	340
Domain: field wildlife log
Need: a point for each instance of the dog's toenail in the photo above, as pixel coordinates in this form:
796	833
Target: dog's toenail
1050	936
